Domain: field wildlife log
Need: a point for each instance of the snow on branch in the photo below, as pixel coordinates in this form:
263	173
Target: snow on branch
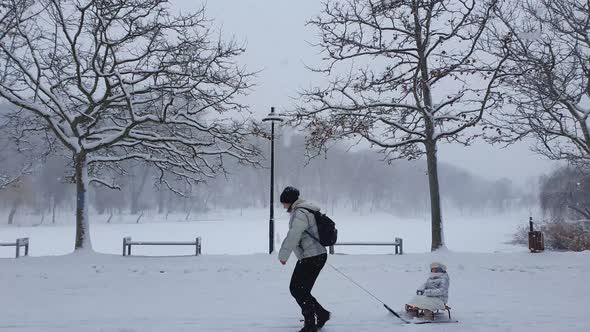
397	74
102	182
128	80
546	79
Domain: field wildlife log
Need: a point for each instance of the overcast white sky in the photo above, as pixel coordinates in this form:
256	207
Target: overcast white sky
277	43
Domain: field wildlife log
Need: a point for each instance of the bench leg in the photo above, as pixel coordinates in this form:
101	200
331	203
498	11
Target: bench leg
198	246
17	249
27	249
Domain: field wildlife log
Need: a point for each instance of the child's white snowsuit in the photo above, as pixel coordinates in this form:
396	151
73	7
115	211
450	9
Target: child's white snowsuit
435	293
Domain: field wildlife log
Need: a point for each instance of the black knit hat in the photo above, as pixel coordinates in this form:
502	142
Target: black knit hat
289	195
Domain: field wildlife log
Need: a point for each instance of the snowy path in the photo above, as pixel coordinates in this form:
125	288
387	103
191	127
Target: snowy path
489	292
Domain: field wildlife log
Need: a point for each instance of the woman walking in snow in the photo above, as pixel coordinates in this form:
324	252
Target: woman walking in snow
302	240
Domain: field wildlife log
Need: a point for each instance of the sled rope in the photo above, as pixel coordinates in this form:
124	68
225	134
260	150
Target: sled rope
364	289
371	294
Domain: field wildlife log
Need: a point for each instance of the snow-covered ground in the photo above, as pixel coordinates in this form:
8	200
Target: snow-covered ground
494	286
489	292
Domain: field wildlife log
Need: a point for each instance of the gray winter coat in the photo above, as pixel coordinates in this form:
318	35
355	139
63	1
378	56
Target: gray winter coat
437	285
297	240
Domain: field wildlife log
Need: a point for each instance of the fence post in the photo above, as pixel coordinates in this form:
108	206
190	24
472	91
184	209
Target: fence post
198	246
26	241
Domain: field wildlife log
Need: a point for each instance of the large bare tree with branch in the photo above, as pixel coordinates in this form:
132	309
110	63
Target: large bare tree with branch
126	80
404	76
546	84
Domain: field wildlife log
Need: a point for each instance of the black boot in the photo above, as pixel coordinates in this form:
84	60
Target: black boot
322	317
310	328
309	324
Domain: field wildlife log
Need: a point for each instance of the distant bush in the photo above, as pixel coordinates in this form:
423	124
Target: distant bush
559	235
520	237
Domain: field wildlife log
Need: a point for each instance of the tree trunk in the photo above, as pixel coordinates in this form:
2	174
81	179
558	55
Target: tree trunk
430	143
15	205
435	210
189	212
53	207
137	189
161	201
139	218
82	224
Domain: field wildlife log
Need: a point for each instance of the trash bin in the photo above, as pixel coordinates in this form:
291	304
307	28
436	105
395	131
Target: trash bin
536	239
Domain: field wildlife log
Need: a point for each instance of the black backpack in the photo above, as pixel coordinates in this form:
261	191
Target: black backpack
326	228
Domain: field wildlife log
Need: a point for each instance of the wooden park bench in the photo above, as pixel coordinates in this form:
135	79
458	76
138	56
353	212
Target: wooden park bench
127	243
397	244
22	242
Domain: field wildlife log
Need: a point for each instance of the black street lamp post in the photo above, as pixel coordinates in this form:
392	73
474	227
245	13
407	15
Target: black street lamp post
272	117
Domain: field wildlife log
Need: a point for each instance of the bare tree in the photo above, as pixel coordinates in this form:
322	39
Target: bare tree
565	193
24	148
126	80
18	154
405	75
547	75
6	180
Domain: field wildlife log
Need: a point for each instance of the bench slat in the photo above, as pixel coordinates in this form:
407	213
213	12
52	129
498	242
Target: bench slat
366	244
162	243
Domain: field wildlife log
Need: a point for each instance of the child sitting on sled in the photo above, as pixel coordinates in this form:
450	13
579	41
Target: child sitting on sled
432	295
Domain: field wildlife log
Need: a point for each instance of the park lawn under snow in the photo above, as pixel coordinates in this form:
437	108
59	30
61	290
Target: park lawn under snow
237	232
489	292
494	286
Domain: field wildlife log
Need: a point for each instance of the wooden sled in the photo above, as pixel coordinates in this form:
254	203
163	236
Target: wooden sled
422	312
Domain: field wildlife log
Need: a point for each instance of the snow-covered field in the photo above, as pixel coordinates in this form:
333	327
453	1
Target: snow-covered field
246	232
235	287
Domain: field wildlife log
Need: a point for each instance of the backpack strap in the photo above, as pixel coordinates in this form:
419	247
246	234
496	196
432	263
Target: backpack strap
306	216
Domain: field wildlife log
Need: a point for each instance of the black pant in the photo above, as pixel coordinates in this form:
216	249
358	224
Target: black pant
304	276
